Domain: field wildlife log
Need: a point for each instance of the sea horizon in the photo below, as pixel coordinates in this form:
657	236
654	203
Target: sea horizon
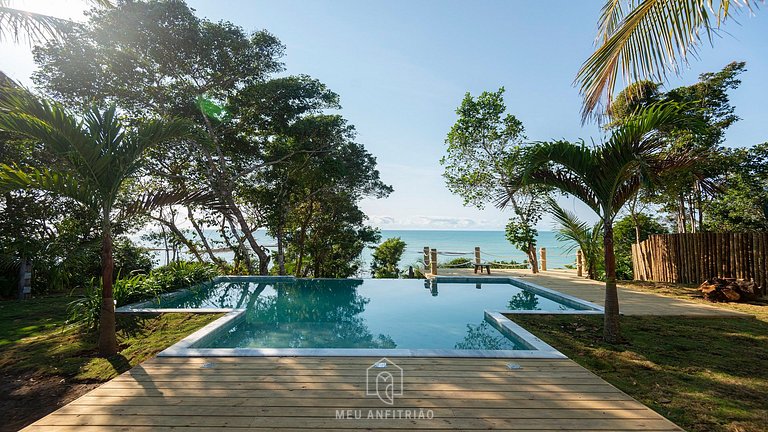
454	242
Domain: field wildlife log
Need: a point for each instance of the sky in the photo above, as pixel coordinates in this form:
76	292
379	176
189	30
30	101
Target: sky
403	67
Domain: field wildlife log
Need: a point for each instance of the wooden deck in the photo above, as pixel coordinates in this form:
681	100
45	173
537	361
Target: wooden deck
631	302
287	393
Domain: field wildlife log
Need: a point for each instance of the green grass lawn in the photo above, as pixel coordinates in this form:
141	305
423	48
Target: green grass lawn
42	355
705	374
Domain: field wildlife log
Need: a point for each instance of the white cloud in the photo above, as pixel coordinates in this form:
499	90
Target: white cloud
434	223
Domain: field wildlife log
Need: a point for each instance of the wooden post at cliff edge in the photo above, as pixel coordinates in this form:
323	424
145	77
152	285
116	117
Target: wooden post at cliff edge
433	261
543	253
477	254
426	257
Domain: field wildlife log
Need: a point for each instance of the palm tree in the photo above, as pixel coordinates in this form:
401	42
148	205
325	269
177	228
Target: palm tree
17	24
646	40
606	176
588	238
97	155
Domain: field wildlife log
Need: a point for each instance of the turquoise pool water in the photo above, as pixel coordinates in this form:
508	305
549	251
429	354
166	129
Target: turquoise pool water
364	313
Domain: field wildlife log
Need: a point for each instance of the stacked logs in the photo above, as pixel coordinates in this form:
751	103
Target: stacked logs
729	290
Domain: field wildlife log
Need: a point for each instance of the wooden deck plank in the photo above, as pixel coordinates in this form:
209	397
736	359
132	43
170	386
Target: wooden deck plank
609	394
439	412
258	429
206	401
294	379
192	372
330	422
463	394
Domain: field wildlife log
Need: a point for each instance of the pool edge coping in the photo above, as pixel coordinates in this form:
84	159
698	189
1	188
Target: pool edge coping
510	329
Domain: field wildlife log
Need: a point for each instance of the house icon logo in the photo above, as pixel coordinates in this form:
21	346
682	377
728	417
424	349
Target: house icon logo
384	379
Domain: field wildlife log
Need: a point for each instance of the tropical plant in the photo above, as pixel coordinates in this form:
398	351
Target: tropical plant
646	40
386	258
17	24
606	176
629	230
588	238
139	287
96	156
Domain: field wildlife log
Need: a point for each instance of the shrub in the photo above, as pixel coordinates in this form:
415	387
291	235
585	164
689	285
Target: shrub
139	287
386	258
86	308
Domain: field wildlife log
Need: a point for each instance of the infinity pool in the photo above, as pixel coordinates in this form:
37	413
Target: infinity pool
365	313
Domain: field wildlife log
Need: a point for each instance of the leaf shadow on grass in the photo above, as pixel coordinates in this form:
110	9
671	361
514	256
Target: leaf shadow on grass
706	374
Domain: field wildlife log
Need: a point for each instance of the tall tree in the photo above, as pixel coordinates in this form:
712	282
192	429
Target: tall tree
483	160
606	176
97	155
158	59
743	204
686	193
647	40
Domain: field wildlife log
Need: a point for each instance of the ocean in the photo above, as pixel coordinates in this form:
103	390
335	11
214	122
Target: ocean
493	246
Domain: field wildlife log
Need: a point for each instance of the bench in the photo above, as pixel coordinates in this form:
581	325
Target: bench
481	267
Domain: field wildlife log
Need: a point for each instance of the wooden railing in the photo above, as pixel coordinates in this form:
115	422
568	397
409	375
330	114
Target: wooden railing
693	258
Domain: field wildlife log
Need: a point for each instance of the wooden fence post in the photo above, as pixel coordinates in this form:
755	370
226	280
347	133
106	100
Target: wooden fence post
694	257
25	279
543	254
426	257
579	263
477	254
433	261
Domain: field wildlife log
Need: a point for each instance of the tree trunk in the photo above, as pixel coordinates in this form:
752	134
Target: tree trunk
532	258
280	252
224	188
692	214
203	239
25	266
248	234
302	239
107	330
180	237
681	225
165	245
612	333
240	244
700	204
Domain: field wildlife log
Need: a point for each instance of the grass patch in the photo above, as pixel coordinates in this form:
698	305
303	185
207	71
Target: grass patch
45	362
36	339
705	374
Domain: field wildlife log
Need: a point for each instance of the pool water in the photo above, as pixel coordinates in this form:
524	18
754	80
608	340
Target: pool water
363	313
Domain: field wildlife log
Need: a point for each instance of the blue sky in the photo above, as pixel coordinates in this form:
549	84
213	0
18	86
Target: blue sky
402	68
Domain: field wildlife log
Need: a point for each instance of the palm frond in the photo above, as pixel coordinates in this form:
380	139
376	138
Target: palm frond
154	200
64	184
50	123
566	182
8	262
18	25
571	228
649	42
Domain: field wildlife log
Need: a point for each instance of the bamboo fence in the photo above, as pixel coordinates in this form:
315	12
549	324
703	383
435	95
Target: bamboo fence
692	258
